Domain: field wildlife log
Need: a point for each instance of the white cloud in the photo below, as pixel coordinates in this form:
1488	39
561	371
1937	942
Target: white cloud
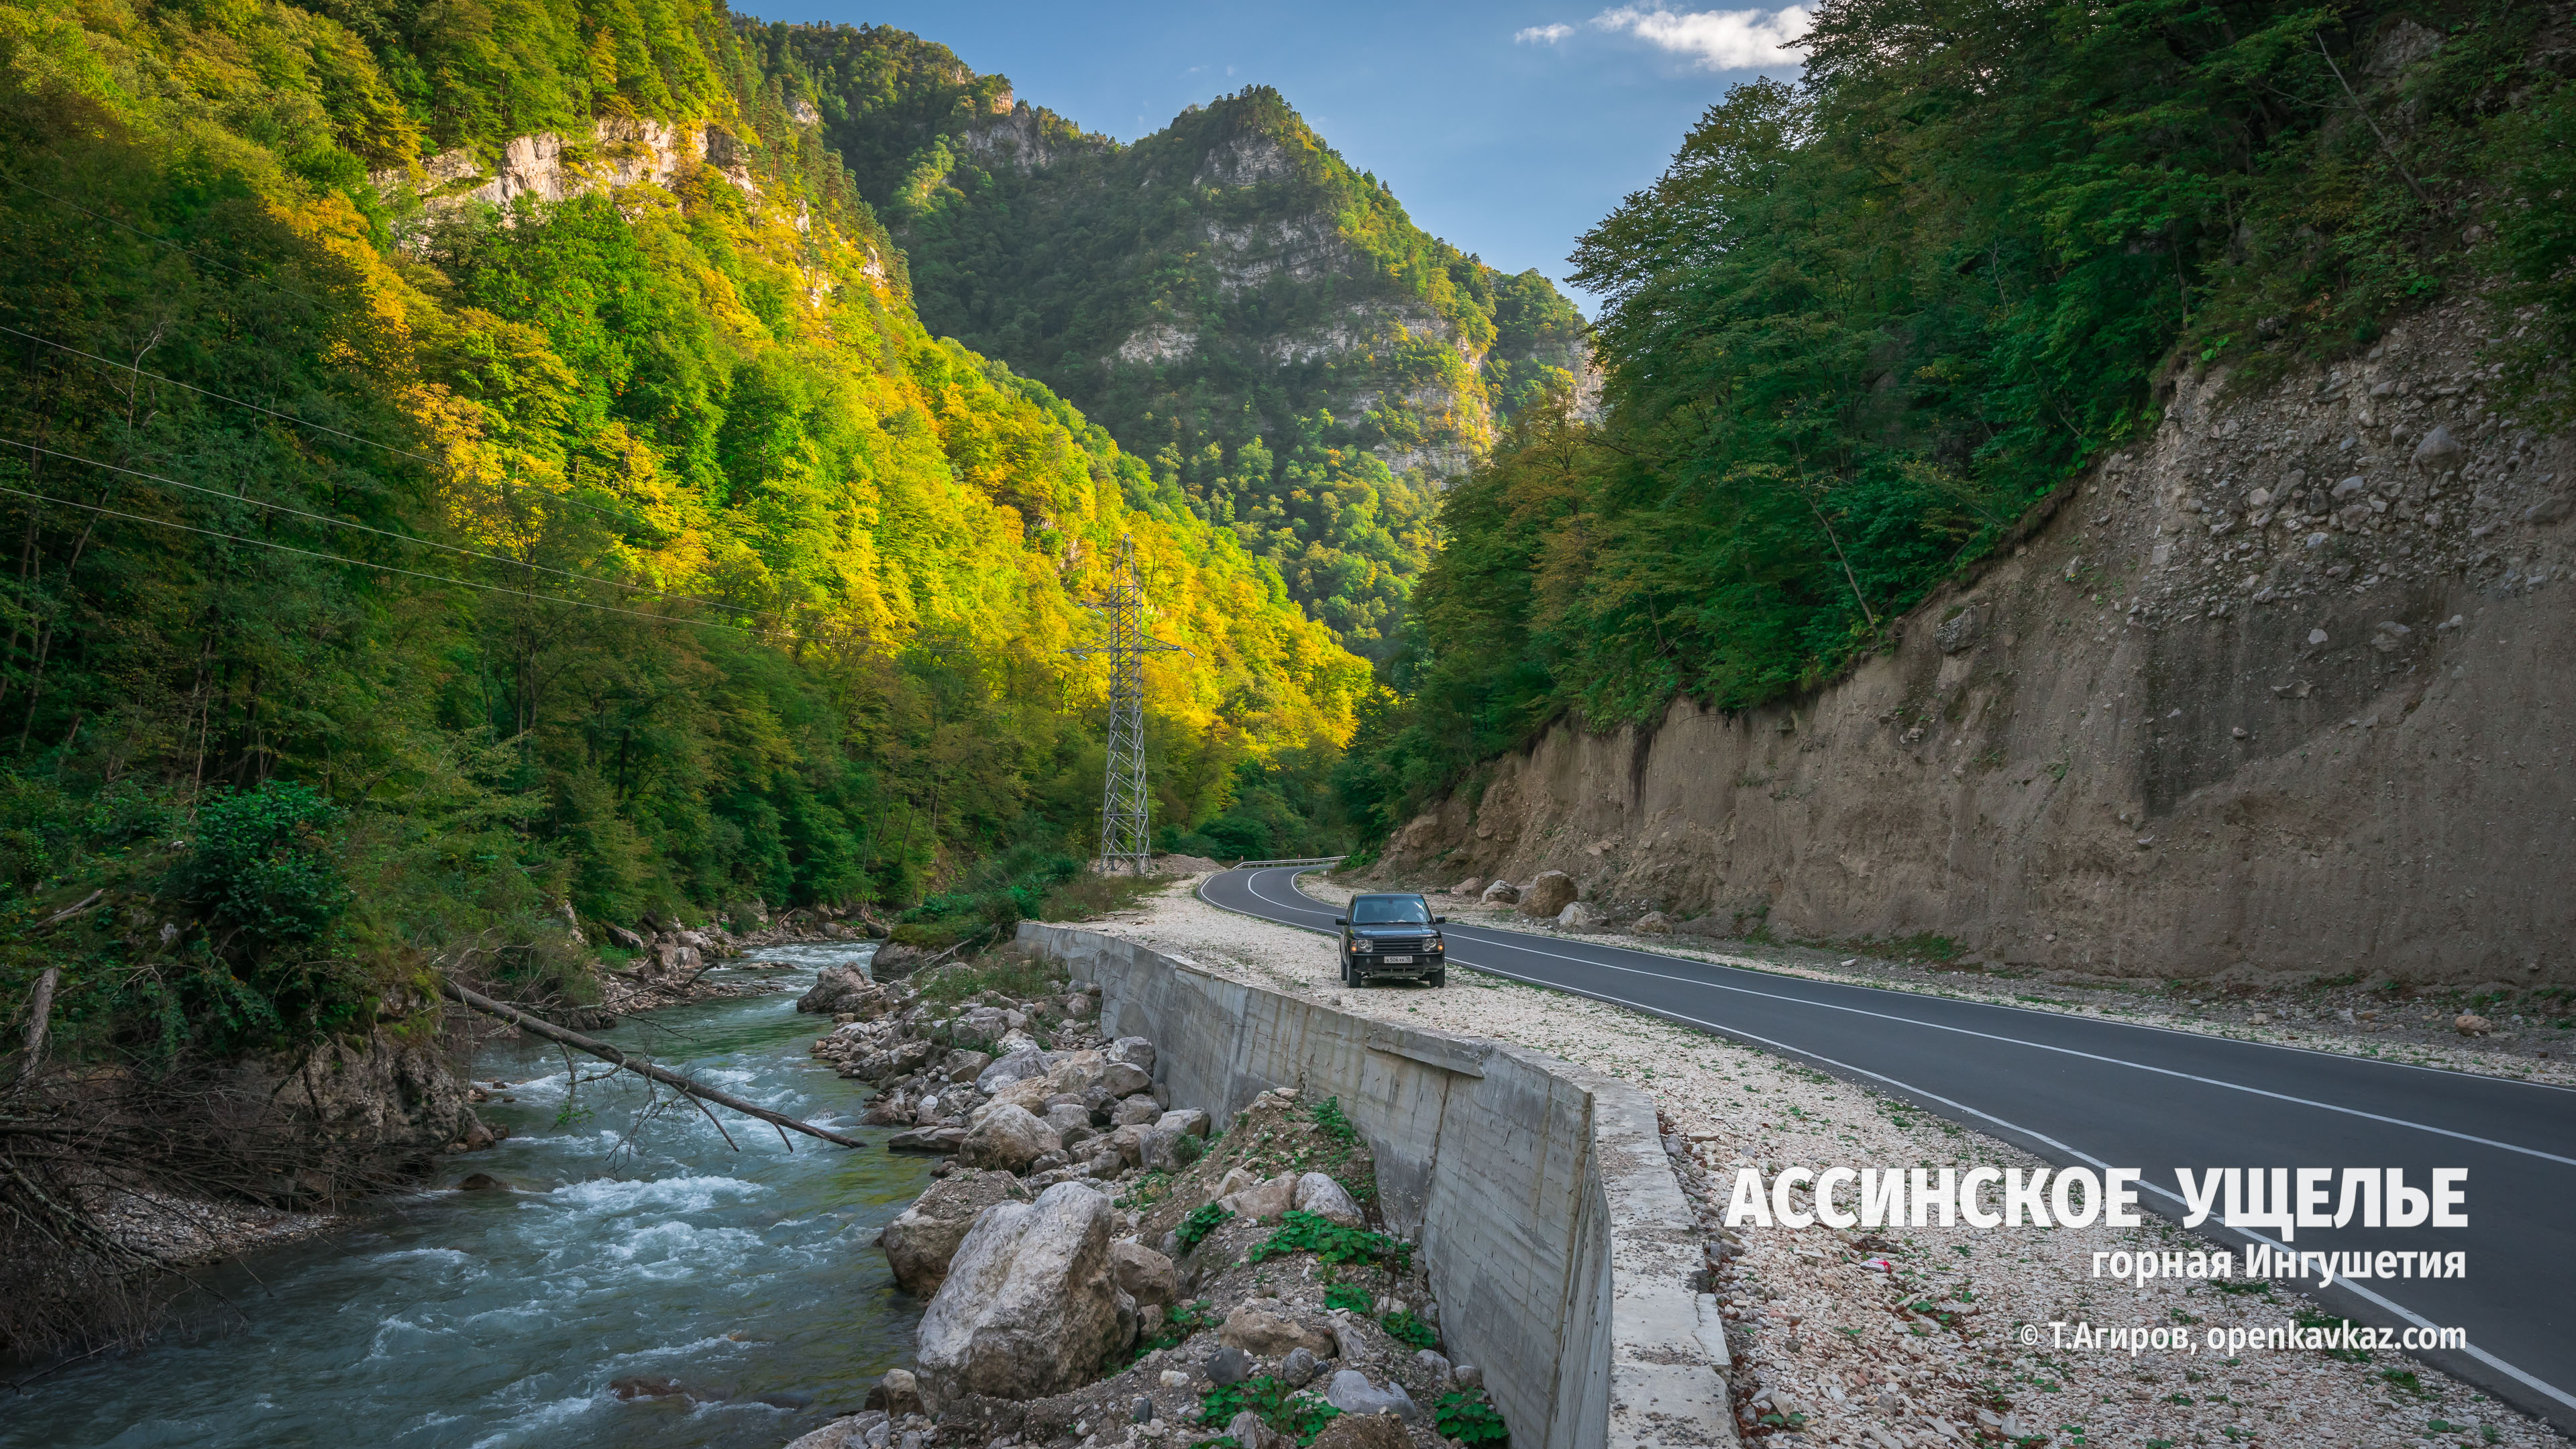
1541	34
1716	39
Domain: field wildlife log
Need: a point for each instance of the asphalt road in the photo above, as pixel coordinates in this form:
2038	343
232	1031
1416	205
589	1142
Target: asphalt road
2107	1093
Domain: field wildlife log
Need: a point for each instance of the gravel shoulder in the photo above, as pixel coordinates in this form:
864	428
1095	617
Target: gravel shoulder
1831	1347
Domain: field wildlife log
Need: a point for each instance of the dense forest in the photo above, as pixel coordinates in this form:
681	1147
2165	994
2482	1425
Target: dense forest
1865	322
397	572
1240	308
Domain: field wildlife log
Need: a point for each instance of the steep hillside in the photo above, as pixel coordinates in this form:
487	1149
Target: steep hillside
1227	296
2248	704
473	470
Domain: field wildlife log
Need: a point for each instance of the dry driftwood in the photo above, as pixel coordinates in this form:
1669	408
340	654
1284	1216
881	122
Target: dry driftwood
666	1077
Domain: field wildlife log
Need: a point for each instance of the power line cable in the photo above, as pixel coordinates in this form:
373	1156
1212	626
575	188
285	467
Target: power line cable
502	559
290	417
378	567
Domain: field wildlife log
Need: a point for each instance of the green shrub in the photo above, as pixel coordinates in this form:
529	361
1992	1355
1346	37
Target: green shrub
1296	1415
1410	1331
1200	1223
1345	1296
1469	1419
1301	1232
261	869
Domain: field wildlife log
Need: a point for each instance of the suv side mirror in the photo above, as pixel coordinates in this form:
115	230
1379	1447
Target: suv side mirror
1439	920
1341	920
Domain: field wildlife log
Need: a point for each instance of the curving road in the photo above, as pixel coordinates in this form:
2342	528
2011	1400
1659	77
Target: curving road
2098	1092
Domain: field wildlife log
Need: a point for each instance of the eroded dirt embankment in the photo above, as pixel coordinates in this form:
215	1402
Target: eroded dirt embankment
2280	691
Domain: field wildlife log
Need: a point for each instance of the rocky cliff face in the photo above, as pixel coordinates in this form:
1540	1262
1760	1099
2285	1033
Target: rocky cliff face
2282	690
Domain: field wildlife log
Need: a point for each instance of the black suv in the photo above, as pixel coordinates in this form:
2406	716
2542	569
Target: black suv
1392	935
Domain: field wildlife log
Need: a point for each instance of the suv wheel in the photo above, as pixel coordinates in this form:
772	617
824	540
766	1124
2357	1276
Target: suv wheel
1439	977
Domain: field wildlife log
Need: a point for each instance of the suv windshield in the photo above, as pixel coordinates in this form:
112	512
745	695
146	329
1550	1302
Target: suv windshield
1390	911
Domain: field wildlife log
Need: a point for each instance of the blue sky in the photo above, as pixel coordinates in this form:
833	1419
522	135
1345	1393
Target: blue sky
1506	128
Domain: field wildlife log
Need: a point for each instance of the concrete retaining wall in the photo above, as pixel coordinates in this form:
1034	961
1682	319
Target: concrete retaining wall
1553	1229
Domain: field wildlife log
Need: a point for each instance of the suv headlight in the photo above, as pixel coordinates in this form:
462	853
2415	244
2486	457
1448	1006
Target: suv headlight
1364	944
1437	945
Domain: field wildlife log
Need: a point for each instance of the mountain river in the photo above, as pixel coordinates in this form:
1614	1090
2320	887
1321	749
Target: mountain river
631	1250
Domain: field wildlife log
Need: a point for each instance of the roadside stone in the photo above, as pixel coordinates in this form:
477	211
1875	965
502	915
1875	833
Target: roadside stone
1264	1200
1010	1137
1468	887
1260	1328
1228	1365
1550	893
1578	917
920	1242
1363	1431
1029	1308
1653	923
1327	1199
1500	893
1351	1392
2469	1023
1143	1274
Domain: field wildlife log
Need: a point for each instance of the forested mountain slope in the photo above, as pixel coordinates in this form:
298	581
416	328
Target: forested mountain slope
1227	296
397	572
1865	324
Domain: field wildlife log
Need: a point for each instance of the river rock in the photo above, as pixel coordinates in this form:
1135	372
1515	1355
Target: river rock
1351	1392
839	989
482	1182
1500	893
1011	1070
894	961
1136	1111
920	1242
897	1394
1260	1328
965	1066
1362	1431
1327	1199
1134	1051
849	1433
1264	1200
1550	893
1143	1274
1029	1308
1009	1137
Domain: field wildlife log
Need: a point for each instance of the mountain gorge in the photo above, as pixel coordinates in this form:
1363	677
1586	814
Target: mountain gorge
1237	305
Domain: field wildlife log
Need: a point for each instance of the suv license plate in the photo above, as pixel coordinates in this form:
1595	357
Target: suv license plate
1397	960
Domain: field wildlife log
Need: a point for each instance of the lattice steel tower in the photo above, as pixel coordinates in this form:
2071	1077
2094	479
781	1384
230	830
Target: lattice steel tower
1126	824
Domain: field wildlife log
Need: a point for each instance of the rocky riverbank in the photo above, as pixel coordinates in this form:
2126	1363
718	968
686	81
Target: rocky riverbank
1106	1266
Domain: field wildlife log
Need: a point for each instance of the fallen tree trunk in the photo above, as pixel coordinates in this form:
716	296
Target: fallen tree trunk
607	1053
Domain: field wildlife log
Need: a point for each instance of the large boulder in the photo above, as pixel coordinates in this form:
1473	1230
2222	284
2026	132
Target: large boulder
919	1243
1136	1051
1327	1199
839	989
1143	1274
894	960
1009	1137
1552	892
1014	1067
1029	1308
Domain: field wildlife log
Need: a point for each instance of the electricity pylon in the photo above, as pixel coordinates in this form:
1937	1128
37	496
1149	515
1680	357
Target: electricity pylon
1126	825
